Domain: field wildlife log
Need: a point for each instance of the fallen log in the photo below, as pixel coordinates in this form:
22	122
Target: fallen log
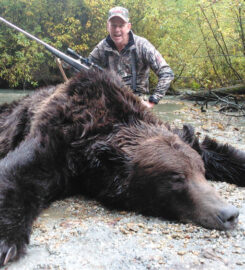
206	94
229	99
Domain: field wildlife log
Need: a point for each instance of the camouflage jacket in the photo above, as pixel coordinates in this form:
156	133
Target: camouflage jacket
146	56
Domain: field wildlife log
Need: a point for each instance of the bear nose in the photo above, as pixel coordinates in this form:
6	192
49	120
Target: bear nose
228	217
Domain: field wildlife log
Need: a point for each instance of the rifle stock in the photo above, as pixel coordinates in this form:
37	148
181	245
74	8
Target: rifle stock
69	60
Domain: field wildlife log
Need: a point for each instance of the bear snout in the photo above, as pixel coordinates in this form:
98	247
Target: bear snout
228	217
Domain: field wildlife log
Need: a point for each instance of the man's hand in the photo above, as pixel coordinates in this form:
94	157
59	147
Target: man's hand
148	104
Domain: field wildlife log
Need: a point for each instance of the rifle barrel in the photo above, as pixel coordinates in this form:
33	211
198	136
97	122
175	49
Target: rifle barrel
71	61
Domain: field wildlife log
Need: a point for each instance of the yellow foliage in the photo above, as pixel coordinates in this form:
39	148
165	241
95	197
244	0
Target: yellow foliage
193	45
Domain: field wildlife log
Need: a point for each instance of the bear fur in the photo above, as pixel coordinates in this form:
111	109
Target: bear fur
92	136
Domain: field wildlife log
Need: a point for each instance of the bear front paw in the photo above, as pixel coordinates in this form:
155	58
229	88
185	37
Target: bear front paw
10	252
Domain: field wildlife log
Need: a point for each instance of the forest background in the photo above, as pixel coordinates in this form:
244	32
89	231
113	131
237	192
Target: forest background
202	40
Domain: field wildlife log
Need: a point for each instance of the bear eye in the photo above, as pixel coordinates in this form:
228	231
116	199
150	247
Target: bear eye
178	178
178	182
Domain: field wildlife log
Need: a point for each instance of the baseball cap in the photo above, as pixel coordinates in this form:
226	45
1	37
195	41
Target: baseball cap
119	12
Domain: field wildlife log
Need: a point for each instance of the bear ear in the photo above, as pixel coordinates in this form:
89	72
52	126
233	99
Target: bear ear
105	154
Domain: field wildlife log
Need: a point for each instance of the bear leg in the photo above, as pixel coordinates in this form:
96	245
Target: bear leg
29	182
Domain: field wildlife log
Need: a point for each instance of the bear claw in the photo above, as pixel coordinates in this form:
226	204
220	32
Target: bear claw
10	254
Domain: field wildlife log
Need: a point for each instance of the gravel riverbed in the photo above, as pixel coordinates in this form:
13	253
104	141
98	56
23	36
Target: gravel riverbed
77	233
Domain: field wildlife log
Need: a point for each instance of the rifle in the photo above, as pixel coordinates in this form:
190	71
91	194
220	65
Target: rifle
76	63
86	61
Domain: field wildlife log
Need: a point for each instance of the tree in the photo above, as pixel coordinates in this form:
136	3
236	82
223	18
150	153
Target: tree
202	40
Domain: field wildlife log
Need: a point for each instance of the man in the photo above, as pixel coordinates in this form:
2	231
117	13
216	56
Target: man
131	57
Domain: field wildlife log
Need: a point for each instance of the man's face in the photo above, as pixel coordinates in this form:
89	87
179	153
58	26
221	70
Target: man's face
118	30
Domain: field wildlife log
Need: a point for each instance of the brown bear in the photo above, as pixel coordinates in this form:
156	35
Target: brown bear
92	136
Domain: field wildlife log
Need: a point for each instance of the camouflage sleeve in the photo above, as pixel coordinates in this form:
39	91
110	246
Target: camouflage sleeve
158	64
97	55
